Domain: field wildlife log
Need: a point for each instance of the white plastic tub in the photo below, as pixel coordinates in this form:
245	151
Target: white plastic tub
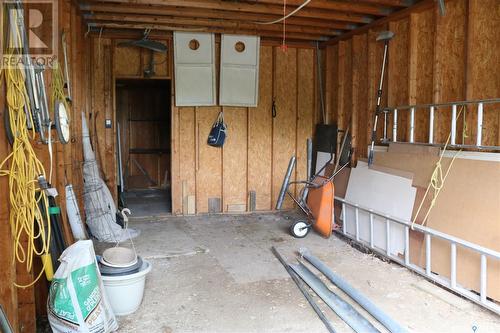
125	292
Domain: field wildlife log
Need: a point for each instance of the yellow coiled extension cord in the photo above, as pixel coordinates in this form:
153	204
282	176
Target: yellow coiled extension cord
31	237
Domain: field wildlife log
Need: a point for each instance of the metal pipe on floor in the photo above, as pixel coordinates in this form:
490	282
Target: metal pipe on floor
302	288
343	309
361	299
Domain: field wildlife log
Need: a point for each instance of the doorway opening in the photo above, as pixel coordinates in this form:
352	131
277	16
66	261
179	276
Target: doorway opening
143	126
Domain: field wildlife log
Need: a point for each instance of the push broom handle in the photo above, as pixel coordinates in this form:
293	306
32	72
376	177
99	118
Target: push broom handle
379	98
286	182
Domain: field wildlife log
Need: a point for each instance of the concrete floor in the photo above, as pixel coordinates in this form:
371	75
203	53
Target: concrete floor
148	202
217	274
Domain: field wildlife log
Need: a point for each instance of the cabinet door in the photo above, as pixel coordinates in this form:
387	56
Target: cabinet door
239	70
194	56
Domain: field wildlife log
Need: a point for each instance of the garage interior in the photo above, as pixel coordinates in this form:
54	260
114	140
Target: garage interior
250	166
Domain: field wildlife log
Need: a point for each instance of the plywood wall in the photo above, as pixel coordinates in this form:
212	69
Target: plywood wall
258	147
432	59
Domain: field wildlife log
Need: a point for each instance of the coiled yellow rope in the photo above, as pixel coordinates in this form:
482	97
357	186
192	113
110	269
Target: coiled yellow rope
437	178
31	237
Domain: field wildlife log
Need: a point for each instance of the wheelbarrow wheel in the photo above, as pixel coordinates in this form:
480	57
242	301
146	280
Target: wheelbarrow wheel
300	229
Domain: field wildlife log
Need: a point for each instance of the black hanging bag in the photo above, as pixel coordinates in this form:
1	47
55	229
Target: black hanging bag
218	132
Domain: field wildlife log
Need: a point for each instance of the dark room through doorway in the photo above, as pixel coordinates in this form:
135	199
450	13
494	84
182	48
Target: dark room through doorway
143	119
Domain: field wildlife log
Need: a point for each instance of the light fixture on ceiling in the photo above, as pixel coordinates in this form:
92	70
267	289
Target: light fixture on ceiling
146	43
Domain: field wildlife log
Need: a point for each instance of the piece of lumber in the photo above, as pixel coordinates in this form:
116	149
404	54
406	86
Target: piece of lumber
169	21
159	27
198	13
251	8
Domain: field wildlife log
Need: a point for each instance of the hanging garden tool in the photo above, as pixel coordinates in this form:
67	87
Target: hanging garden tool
61	105
384	36
67	82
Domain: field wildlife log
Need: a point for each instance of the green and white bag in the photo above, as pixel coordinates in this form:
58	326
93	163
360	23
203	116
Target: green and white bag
77	301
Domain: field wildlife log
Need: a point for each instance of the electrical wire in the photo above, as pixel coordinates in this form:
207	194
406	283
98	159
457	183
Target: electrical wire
29	207
293	12
283	45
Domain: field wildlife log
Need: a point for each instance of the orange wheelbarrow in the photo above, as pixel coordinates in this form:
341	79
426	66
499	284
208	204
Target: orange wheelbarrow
315	199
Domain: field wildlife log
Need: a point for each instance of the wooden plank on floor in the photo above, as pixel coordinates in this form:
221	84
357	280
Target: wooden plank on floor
234	157
260	134
284	124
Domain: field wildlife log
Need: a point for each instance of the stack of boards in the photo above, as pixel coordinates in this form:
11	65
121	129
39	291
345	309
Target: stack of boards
468	206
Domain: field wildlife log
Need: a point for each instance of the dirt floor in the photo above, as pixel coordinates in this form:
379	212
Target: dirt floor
217	274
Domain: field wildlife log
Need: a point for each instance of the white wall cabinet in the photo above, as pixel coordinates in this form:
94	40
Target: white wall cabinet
239	70
194	59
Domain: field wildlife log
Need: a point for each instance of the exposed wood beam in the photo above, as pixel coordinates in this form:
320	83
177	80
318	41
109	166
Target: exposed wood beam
418	7
166	35
392	3
350	7
159	27
251	8
210	13
130	18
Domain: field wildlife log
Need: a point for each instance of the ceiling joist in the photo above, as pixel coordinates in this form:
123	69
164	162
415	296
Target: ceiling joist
211	14
159	27
342	6
222	24
320	20
250	8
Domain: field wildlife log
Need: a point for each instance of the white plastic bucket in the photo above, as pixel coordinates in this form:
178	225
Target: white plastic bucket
125	292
